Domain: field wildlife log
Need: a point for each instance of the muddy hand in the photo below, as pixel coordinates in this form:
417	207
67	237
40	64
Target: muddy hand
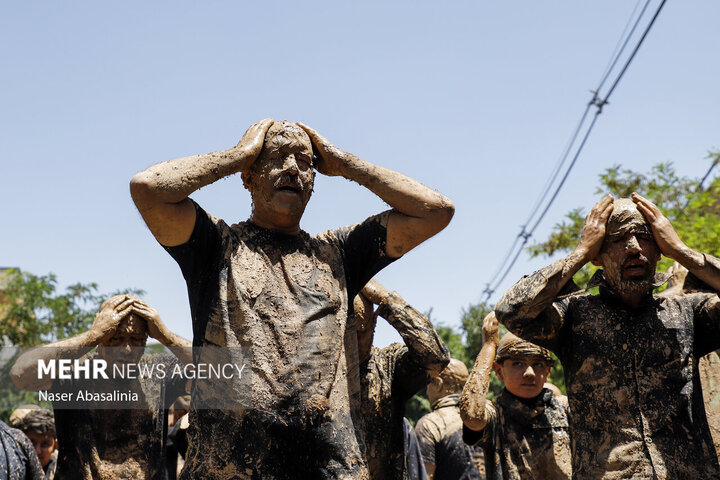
109	317
251	143
331	159
593	232
665	236
490	329
156	327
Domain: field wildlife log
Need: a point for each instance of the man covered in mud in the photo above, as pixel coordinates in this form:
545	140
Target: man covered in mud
266	284
630	357
524	432
390	376
439	433
117	439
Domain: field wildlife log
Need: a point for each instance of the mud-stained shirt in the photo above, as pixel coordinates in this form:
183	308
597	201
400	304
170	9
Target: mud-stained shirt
631	374
525	439
18	460
389	378
286	298
439	434
118	444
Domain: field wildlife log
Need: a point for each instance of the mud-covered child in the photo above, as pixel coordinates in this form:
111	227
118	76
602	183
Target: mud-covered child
524	433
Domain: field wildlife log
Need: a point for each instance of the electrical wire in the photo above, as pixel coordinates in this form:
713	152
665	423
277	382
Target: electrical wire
525	234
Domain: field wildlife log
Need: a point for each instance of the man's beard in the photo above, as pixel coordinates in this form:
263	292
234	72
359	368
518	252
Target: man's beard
631	286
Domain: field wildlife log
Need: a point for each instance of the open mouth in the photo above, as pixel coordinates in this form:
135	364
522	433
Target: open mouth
635	268
290	188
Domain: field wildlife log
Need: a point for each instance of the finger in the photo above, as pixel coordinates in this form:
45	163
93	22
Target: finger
605	214
315	137
647	212
120	314
640	200
128	302
115	302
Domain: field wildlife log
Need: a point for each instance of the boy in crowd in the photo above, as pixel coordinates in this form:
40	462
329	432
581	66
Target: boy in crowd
525	432
39	426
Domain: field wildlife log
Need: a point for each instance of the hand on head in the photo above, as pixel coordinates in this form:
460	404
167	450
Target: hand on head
110	315
593	232
251	143
330	158
665	236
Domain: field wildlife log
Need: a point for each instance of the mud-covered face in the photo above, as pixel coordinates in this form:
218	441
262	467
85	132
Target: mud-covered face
281	179
524	377
128	343
629	253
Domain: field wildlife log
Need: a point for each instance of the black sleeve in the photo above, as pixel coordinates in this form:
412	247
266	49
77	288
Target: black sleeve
363	249
200	250
198	260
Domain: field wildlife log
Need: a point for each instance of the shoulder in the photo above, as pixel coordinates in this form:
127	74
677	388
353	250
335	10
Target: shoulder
429	426
373	224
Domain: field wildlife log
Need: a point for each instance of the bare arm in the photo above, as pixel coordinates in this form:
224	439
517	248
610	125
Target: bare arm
703	266
418	211
474	394
424	344
161	192
24	372
534	294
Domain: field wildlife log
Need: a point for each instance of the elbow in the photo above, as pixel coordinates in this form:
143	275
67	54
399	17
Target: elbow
473	422
143	185
444	211
503	310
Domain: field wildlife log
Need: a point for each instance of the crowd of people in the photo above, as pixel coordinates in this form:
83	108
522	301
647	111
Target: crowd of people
324	403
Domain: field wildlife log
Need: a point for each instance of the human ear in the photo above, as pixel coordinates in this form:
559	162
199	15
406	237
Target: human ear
498	371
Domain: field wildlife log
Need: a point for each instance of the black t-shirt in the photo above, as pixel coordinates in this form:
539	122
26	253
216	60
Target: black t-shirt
287	297
102	443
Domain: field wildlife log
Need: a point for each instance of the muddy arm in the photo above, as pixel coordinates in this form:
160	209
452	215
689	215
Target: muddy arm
473	402
418	211
425	347
161	192
24	372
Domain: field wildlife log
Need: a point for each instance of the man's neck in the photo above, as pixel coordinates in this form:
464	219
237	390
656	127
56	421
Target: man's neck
291	228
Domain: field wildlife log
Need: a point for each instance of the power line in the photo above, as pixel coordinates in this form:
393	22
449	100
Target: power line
525	234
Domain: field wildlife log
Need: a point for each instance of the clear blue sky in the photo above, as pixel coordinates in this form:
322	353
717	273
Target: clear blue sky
475	99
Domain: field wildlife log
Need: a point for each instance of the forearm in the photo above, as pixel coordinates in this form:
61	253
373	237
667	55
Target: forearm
24	372
174	180
402	193
424	345
535	293
474	394
180	347
705	267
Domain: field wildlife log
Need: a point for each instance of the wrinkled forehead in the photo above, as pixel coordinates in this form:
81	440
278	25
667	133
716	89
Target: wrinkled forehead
626	218
284	134
133	325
